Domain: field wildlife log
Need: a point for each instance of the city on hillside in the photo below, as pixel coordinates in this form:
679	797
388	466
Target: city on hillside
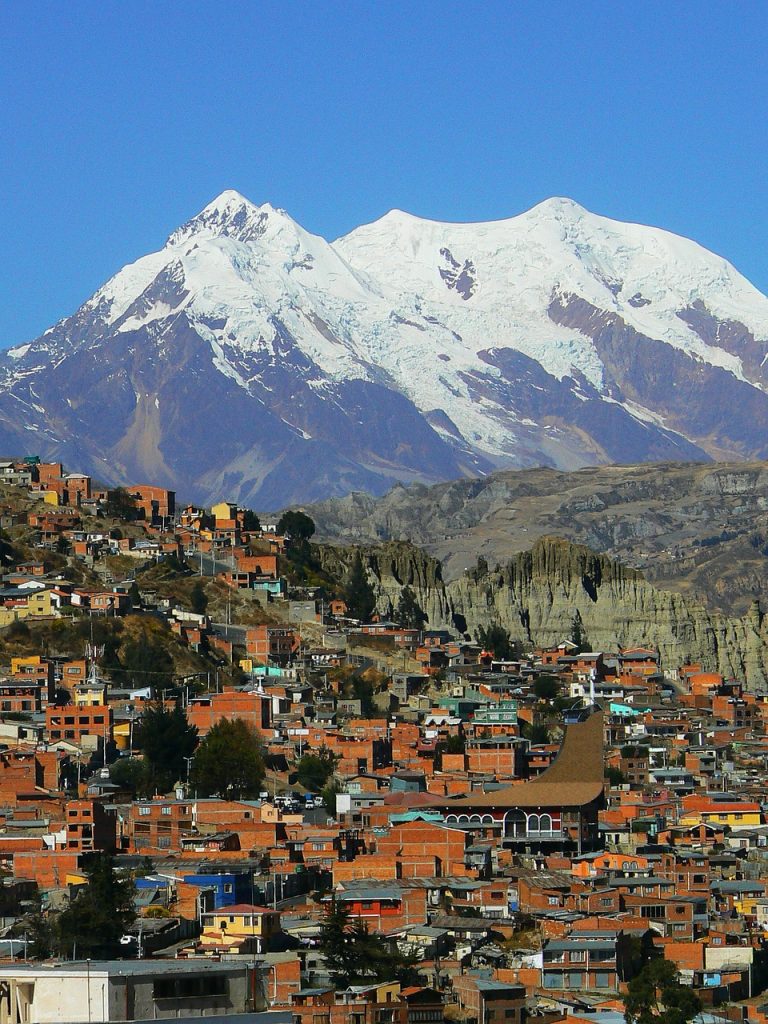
237	778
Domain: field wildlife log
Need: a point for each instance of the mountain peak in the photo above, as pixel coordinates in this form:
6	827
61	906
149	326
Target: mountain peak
560	207
229	215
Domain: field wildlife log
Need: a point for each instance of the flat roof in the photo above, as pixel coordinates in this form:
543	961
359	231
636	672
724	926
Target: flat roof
136	968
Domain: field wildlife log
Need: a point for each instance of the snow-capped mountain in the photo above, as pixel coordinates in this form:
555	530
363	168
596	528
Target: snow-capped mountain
251	359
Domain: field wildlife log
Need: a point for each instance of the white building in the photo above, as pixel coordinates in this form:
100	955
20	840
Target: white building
94	992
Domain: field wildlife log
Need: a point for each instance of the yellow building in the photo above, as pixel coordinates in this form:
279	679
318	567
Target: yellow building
19	665
243	927
89	695
735	814
225	511
39	604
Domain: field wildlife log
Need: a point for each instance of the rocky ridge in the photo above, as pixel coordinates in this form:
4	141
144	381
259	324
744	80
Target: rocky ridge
537	594
699	529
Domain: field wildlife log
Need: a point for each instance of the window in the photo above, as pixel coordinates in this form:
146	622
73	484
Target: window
553	901
166	809
578	956
190	988
145	810
228	887
653	911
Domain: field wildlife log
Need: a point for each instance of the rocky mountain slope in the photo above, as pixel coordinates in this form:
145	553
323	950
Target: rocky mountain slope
250	359
698	529
537	593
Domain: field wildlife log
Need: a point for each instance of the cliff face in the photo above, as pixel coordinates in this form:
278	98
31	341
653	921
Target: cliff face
691	528
539	592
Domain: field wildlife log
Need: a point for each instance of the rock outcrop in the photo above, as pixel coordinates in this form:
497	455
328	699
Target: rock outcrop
538	593
696	529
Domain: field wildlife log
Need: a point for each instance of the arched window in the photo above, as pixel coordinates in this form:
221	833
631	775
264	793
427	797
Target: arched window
515	823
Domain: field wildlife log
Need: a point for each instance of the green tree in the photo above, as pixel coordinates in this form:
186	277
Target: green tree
40	936
120	504
198	599
132	773
546	687
496	639
165	738
314	770
358	592
99	913
251	522
355	956
297	525
408	613
362	690
578	636
229	761
615	776
655	996
329	794
535	734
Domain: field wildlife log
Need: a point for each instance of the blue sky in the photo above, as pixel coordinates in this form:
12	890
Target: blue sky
120	121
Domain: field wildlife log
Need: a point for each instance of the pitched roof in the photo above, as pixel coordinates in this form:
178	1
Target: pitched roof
574	778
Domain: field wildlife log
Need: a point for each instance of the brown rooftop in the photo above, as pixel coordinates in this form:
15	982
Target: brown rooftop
574	778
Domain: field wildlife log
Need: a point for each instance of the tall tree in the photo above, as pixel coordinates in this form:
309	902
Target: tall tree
354	955
229	761
496	639
166	738
251	523
198	599
578	636
358	592
655	996
120	504
546	687
297	525
315	769
133	774
99	913
409	613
